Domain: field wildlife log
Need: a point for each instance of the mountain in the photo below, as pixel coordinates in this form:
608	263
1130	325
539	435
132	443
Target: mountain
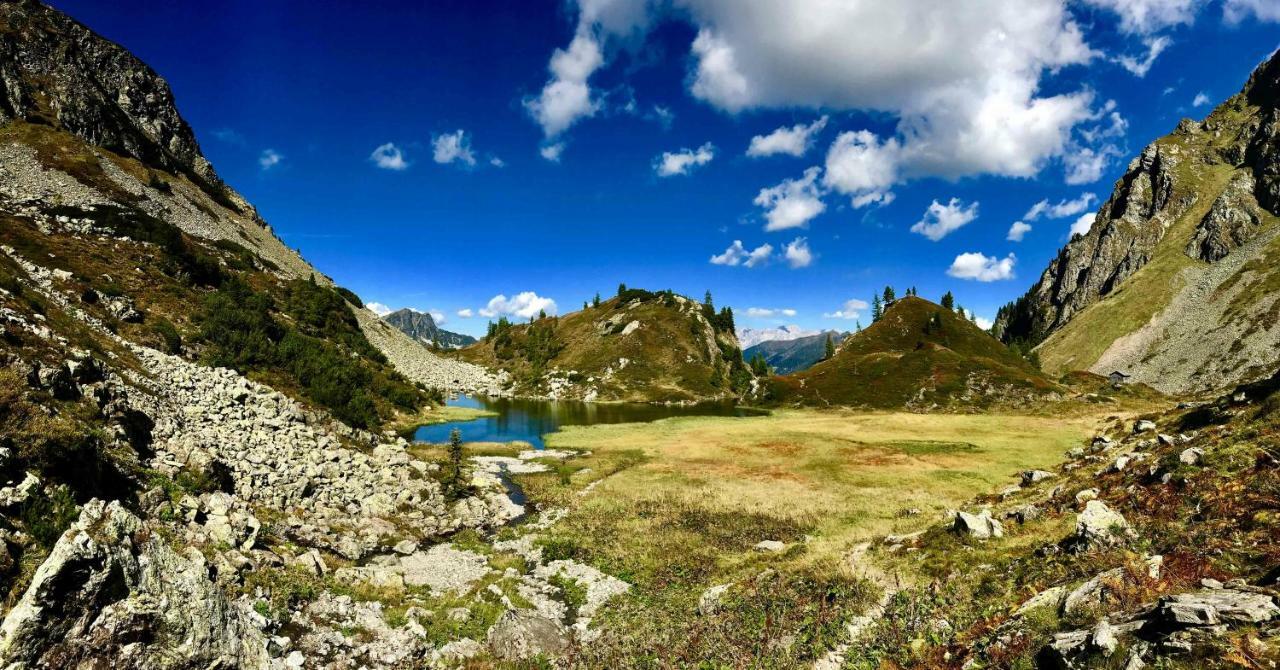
785	356
186	405
920	356
750	337
640	346
422	327
1176	282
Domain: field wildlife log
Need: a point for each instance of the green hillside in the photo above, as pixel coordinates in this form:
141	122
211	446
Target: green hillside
919	355
640	346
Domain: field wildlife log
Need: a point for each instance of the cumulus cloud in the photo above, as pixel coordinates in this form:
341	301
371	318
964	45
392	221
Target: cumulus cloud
566	98
861	166
378	308
1082	225
1063	209
453	147
1235	11
983	322
940	220
552	152
769	312
982	268
1086	165
968	99
389	157
1018	231
792	141
793	203
851	309
737	254
798	254
1201	100
466	313
524	305
1148	16
269	158
682	162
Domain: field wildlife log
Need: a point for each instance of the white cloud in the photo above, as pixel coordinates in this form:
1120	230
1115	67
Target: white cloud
737	254
964	84
1018	231
769	312
1082	225
982	268
566	98
466	313
792	141
269	159
1063	209
389	157
1235	11
793	203
683	162
940	220
983	322
1201	100
552	152
451	147
861	166
1139	66
798	254
497	162
378	308
437	316
851	309
524	305
1149	16
1086	165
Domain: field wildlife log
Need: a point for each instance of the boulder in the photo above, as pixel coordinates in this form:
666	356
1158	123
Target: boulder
1030	477
1212	607
1099	525
769	546
1143	426
709	601
524	634
1085	495
978	526
1191	456
108	585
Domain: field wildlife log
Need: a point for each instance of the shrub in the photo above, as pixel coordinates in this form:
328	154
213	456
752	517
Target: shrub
168	333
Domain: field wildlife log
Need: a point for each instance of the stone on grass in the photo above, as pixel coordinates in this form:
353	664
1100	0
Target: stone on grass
769	546
1099	525
1030	477
1191	456
524	634
978	526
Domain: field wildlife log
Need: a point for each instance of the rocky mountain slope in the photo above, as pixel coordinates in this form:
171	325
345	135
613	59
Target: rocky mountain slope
787	356
195	466
639	346
920	356
1176	282
422	327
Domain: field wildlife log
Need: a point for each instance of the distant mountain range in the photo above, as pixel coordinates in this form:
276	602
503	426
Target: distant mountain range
785	356
750	337
421	327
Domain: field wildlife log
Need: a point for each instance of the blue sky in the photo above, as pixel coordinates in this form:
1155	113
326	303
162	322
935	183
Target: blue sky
986	107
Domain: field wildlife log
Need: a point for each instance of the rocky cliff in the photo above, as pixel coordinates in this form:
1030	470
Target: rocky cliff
423	328
1173	281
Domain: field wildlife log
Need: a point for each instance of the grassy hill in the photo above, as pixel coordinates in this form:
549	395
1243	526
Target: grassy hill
787	356
921	356
640	346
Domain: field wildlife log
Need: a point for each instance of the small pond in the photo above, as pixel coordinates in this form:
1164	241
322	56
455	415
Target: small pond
530	420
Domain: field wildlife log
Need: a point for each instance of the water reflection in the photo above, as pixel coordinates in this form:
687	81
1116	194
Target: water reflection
530	420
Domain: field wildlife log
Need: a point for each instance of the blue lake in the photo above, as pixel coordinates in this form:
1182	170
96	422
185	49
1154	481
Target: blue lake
530	420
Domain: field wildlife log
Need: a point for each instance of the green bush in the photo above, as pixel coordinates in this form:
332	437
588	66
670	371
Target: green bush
168	333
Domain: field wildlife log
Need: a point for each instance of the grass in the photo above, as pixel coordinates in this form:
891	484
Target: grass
680	504
1083	340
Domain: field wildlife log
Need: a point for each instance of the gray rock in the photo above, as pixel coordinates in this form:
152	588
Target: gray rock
1143	426
1191	456
709	601
1030	477
978	526
524	634
769	546
108	583
1212	607
1099	525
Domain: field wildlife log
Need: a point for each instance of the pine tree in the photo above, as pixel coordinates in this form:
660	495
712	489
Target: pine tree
948	301
858	326
877	309
595	302
455	460
622	288
707	301
889	295
831	347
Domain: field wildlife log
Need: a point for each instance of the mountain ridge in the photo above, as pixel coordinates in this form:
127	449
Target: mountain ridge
422	327
794	355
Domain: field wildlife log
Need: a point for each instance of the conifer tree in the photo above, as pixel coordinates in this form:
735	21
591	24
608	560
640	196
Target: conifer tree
830	347
889	295
455	460
877	310
948	301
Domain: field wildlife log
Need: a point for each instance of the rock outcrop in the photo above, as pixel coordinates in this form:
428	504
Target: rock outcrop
110	588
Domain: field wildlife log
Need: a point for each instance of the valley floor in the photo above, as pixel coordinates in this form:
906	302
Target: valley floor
737	534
